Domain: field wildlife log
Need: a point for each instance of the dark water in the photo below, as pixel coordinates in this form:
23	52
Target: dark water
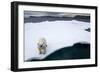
77	51
35	19
87	29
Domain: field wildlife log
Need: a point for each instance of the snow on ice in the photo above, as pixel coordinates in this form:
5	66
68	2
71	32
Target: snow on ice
58	34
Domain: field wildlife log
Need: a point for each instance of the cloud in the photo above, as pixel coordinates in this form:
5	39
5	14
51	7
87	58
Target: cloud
59	14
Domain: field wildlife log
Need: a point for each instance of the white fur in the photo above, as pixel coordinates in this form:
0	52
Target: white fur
42	44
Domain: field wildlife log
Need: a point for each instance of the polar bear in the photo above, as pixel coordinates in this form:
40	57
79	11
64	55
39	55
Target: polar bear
42	45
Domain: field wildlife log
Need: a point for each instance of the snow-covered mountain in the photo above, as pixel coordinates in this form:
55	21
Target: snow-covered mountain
58	34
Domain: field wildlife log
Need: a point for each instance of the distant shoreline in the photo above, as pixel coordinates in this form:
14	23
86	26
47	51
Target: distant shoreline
35	19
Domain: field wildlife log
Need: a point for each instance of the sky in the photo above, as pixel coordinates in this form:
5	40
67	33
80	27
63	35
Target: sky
60	14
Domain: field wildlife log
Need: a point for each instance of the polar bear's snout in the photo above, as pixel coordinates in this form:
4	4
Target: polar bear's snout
42	45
